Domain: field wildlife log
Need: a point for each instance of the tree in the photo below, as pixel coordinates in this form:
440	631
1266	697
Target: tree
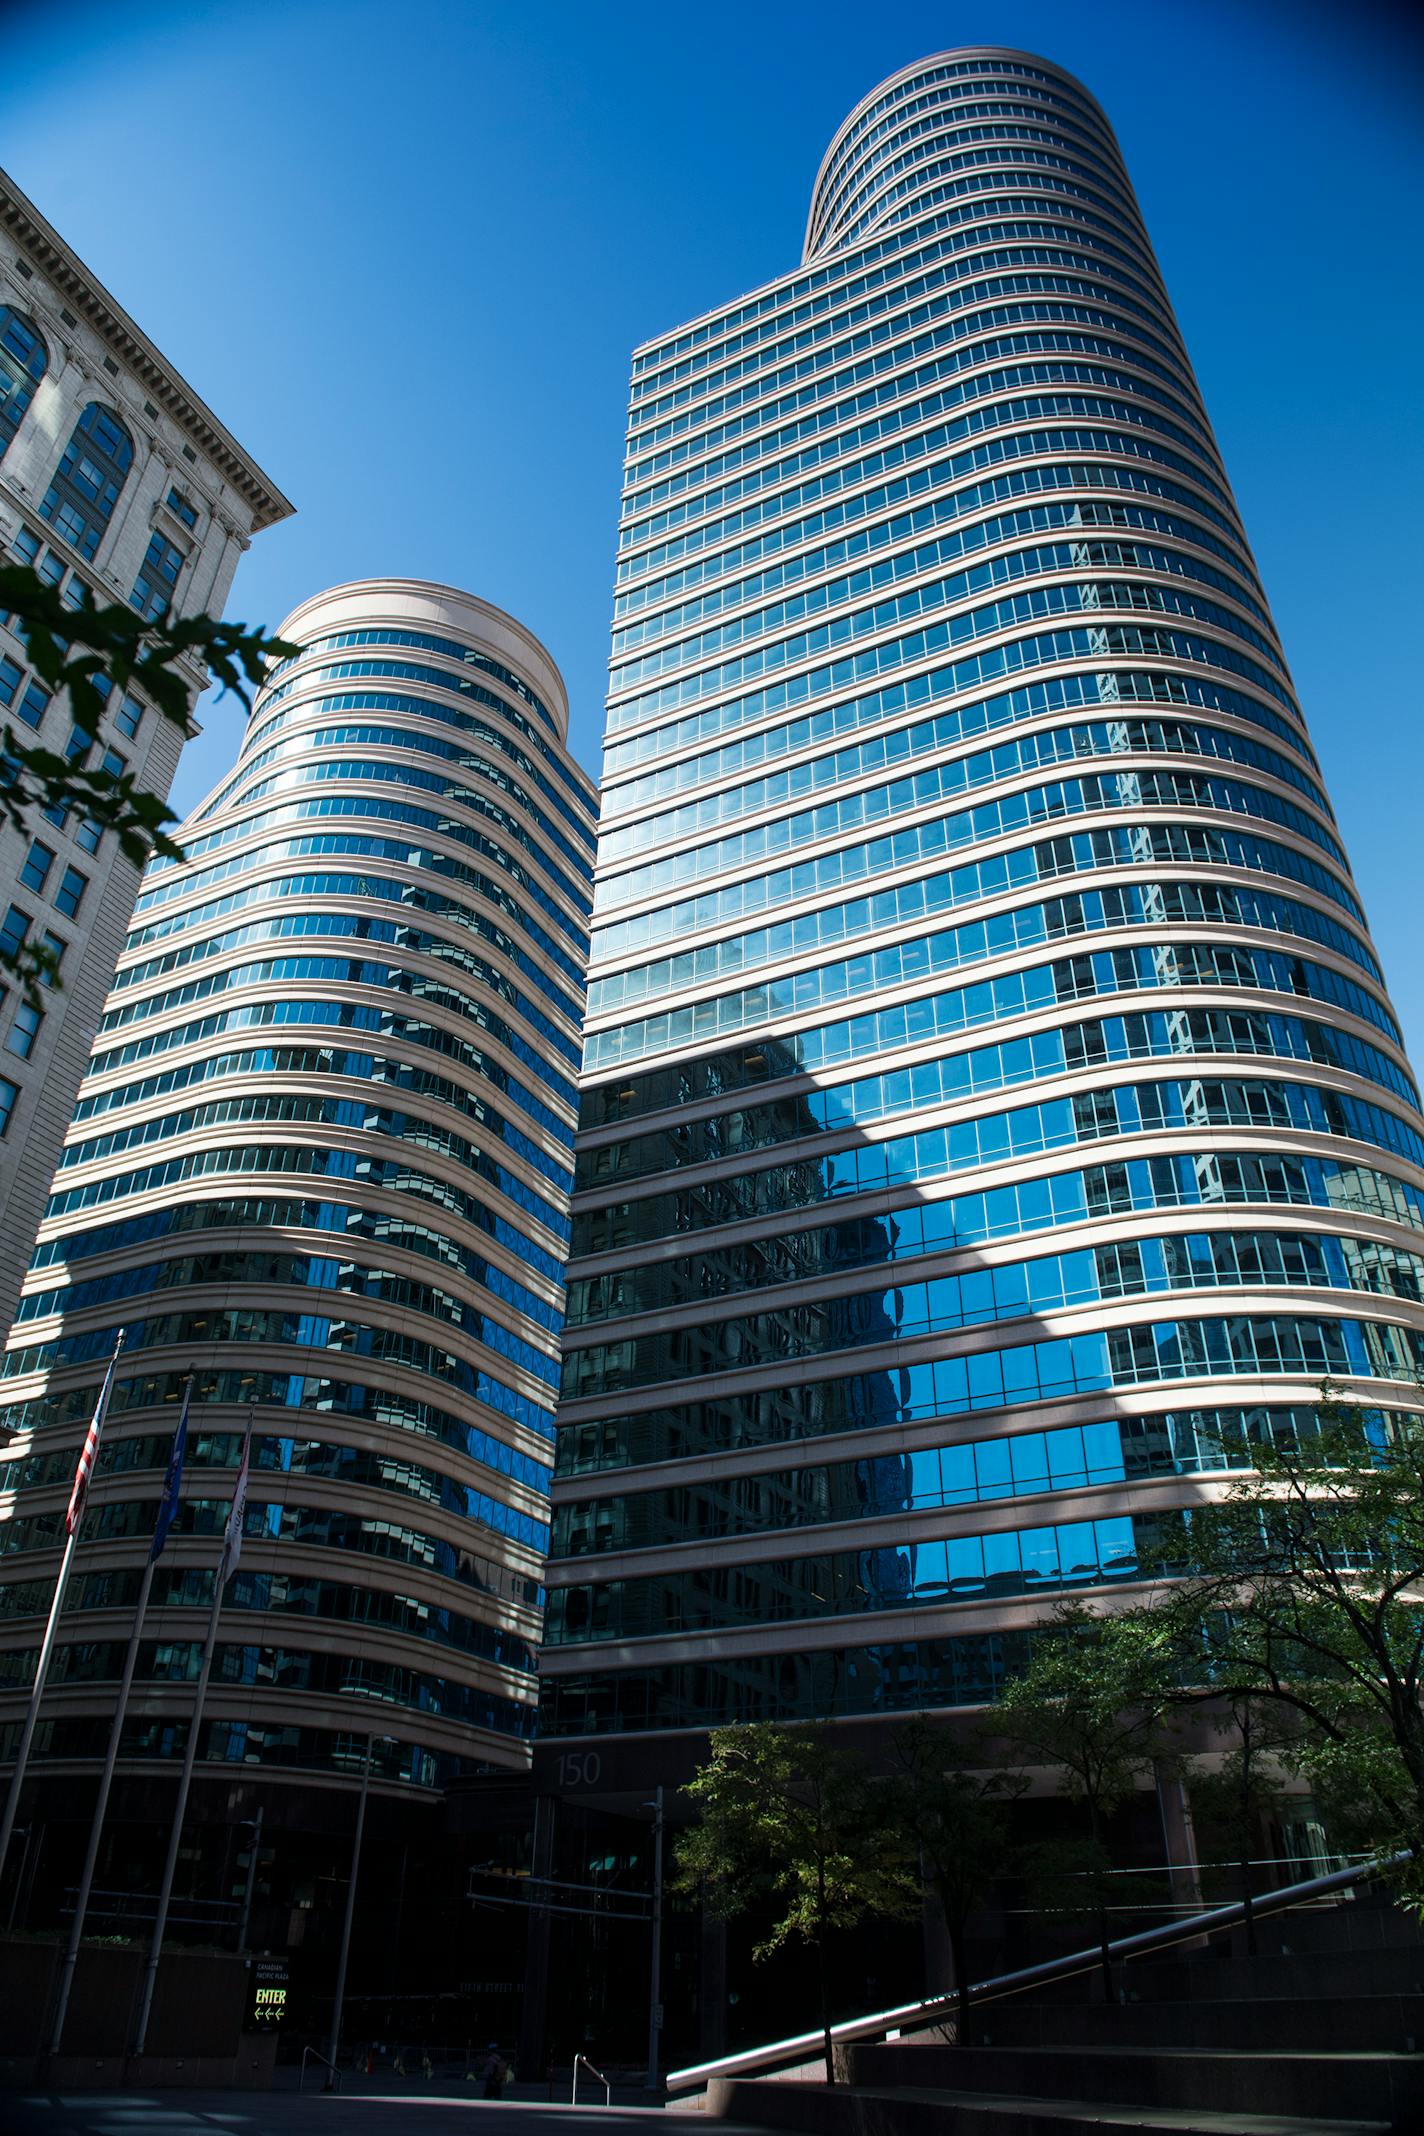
1091	1703
788	1817
1233	1799
958	1816
87	653
1305	1586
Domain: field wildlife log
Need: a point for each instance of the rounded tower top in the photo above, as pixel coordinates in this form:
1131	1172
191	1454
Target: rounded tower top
443	611
862	162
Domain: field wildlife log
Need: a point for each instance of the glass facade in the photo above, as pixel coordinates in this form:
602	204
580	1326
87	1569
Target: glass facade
322	1159
967	897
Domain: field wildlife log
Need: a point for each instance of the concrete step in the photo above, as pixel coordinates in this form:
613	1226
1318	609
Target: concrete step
911	2111
1356	2023
1366	1924
1372	2087
1317	1975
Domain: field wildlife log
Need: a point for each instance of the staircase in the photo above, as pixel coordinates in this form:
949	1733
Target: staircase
1321	2034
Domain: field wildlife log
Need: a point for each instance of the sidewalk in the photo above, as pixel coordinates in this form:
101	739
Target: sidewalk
396	2108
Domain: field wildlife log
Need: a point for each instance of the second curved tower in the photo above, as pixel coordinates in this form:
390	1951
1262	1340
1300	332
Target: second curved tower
992	1099
321	1162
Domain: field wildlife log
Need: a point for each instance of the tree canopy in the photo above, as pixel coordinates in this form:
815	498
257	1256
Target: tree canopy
957	1811
1304	1587
794	1822
1090	1705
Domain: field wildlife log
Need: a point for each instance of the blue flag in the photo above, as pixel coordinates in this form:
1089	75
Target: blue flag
172	1482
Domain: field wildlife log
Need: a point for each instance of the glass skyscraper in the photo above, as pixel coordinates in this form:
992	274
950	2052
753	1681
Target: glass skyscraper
321	1160
991	1094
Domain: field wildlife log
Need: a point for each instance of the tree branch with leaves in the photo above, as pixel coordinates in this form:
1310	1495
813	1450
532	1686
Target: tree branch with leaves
1233	1798
959	1817
85	654
793	1821
1304	1587
1091	1705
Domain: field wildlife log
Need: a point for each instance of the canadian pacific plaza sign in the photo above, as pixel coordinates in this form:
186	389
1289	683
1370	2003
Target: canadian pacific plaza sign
269	1994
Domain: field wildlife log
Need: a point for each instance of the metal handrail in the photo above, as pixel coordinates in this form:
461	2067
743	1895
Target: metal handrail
607	2087
333	2074
807	2046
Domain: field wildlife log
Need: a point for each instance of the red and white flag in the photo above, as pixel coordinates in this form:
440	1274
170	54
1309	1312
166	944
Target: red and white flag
89	1452
232	1534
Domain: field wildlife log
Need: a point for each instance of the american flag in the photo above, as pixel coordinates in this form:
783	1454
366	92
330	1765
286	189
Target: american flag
89	1452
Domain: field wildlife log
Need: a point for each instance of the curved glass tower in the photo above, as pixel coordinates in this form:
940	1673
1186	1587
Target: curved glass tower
991	1092
321	1160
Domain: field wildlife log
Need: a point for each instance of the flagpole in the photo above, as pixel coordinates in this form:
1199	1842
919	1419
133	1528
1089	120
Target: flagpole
232	1543
96	1828
22	1759
168	1505
75	1522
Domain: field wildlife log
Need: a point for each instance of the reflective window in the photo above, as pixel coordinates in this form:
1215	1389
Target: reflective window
23	362
323	1163
24	1030
70	894
1201	1179
1052	1283
33	701
450	648
79	502
157	579
927	1390
36	866
317	1272
880	1485
314	1397
963	1568
782	832
315	1331
393	1075
1056	1123
13	930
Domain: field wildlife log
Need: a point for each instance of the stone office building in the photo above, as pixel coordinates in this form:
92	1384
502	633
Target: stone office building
115	479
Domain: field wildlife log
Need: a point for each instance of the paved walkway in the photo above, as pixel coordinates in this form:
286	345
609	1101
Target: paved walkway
352	2113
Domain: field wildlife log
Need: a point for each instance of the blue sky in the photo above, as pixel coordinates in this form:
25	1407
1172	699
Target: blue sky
404	253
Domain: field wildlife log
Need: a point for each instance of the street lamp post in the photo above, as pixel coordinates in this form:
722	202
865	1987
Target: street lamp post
27	1833
226	1566
655	1967
335	2040
255	1826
